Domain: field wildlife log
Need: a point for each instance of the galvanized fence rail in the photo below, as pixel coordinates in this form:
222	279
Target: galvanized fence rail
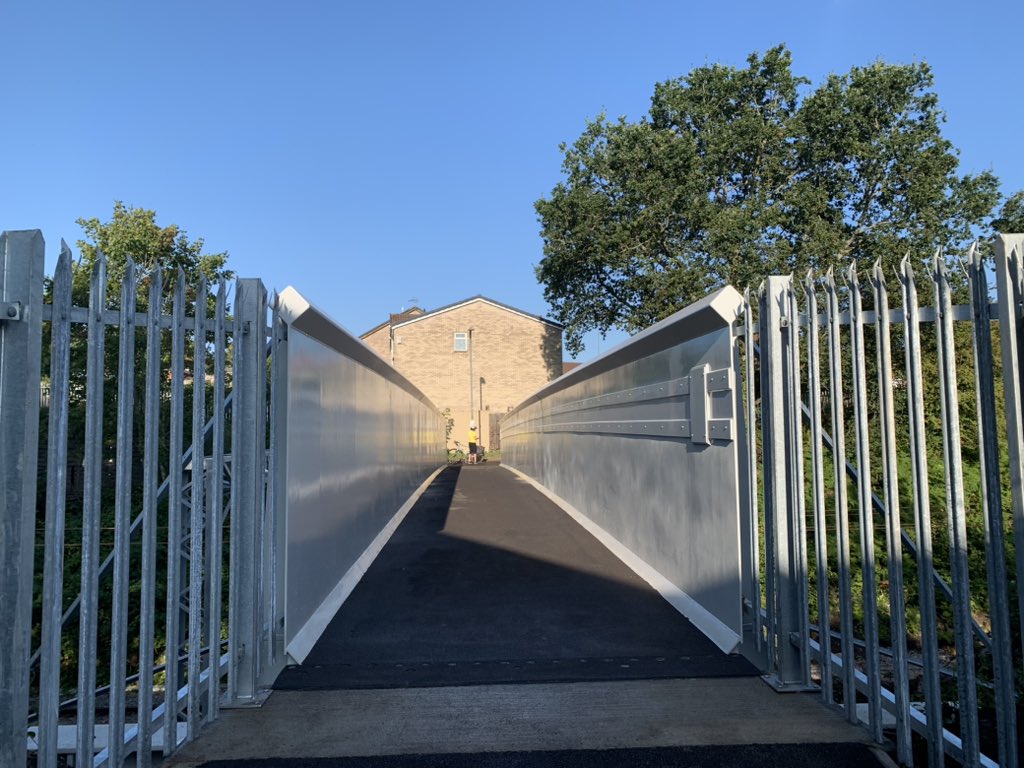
930	428
163	513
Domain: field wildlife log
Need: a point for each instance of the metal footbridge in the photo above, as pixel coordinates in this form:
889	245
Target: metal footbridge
494	626
273	561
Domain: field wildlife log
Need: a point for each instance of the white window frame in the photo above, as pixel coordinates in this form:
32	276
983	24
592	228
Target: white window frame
464	339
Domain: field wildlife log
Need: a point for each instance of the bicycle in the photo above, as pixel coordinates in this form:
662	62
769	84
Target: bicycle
456	455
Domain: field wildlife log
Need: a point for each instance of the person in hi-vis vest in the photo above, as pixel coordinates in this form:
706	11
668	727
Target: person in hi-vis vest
472	442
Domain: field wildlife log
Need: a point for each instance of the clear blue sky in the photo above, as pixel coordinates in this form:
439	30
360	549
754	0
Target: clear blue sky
377	152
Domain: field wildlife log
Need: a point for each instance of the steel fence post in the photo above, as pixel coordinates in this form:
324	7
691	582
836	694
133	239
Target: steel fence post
782	501
248	441
277	487
56	502
197	519
21	301
215	505
956	515
1009	257
922	514
175	560
818	479
893	522
865	512
749	533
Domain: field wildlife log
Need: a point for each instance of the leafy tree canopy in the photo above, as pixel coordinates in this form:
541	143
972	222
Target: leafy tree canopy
132	233
1011	216
736	174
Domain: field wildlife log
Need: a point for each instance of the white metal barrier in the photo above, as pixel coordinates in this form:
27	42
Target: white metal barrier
357	440
645	443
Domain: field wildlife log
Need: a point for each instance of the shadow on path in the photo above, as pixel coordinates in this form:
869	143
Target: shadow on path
487	581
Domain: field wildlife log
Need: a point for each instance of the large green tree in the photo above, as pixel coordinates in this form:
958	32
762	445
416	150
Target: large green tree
130	233
739	173
133	233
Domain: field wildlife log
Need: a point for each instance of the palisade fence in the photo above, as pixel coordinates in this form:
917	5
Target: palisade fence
884	418
145	597
889	454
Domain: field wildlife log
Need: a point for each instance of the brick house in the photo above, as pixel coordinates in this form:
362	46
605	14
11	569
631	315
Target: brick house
477	357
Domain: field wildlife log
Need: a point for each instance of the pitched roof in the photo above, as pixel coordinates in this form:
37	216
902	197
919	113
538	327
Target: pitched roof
479	297
404	318
394	319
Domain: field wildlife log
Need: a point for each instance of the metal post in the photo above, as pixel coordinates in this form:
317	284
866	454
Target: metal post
265	544
213	494
788	670
56	497
1010	292
247	456
922	514
956	516
818	478
869	593
799	635
995	535
88	630
122	514
174	513
838	417
21	274
276	485
749	522
196	526
893	528
215	507
150	486
770	547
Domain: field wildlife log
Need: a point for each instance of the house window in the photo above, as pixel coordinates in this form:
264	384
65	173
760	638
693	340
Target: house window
461	342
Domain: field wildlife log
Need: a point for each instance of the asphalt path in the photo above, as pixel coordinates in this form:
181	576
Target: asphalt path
487	581
493	631
735	756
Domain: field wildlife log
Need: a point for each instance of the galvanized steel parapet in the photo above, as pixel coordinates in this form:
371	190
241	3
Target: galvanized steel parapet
355	439
707	390
635	438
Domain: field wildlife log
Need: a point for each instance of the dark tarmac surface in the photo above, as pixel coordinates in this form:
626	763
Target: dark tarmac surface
494	631
487	581
740	756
